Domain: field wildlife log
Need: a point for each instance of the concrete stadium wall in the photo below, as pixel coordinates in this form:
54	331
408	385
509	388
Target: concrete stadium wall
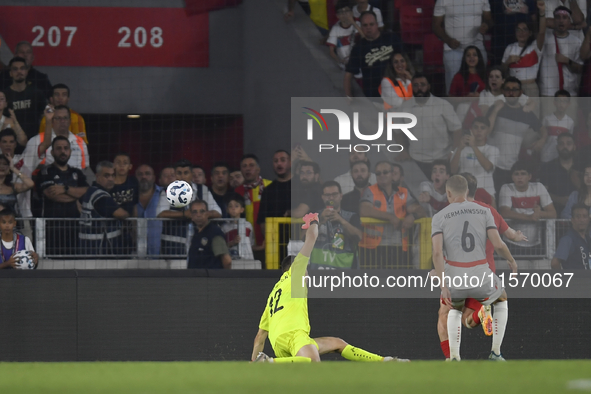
165	315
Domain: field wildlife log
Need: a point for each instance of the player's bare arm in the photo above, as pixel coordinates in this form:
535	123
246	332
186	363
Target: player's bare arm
501	248
515	236
259	343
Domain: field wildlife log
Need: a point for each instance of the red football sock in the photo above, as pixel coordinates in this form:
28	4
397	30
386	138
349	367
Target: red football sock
445	348
476	318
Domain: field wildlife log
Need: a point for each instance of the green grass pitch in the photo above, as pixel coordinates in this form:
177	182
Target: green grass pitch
328	377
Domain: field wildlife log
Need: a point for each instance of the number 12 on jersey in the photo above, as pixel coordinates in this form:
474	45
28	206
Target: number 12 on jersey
275	297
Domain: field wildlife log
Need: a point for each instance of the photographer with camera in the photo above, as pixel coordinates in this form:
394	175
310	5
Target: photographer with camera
338	234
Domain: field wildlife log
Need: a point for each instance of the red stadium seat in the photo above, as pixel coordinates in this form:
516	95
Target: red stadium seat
415	21
433	54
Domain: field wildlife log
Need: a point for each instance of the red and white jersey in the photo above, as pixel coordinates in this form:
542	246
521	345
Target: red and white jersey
555	127
230	229
528	66
549	80
342	39
502	226
524	202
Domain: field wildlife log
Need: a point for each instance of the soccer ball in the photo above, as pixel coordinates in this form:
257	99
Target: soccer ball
179	194
24	260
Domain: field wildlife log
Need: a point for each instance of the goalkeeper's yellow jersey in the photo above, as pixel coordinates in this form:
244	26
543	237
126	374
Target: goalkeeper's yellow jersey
284	313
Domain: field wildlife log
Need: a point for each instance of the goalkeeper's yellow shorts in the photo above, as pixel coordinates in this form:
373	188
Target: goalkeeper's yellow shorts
289	344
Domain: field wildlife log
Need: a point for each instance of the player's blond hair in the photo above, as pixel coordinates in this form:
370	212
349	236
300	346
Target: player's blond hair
457	185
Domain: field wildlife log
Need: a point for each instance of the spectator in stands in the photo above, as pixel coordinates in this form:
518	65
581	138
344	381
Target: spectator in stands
477	157
252	190
574	249
308	193
61	186
582	196
578	9
276	199
494	92
522	58
26	101
174	233
236	179
100	236
339	233
437	121
525	202
149	197
347	180
239	248
507	16
433	196
557	174
342	35
364	6
167	176
469	80
38	150
198	175
370	56
396	86
556	124
61	96
361	175
8	120
208	247
466	22
8	189
126	189
13	242
8	146
37	79
385	246
561	63
509	123
219	186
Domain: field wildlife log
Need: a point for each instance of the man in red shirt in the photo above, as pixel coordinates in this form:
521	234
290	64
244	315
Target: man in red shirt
473	313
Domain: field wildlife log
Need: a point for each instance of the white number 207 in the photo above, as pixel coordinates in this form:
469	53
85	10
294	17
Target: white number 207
54	36
140	37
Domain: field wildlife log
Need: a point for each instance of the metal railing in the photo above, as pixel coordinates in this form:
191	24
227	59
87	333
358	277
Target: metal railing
133	238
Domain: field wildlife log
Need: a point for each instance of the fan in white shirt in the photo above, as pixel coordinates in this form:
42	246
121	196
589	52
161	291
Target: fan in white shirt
475	156
561	65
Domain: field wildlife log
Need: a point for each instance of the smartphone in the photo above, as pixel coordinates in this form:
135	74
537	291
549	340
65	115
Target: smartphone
474	87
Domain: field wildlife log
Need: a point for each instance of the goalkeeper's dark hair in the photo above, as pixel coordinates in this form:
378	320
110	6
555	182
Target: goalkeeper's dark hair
472	183
286	263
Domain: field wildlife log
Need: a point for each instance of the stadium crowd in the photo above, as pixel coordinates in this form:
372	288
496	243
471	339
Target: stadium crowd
530	156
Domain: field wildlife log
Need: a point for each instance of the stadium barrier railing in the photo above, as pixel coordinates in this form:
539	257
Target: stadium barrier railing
131	243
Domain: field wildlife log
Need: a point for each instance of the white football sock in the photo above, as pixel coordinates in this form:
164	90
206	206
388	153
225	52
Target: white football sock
454	331
500	316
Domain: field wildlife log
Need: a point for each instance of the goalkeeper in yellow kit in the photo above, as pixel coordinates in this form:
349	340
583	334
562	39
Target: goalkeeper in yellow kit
285	319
